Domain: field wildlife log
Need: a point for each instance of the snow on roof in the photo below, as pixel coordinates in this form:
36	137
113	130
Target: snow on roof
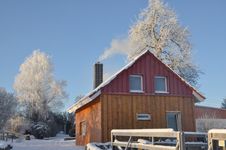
96	92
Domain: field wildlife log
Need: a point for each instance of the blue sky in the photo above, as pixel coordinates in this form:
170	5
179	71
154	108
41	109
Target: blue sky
75	33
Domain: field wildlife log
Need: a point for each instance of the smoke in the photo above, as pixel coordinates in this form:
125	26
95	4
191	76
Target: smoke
118	46
130	45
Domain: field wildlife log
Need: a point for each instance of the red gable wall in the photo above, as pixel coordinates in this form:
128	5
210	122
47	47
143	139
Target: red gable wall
148	66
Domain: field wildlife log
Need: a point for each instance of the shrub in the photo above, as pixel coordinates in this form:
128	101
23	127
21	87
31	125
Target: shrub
72	132
17	124
40	130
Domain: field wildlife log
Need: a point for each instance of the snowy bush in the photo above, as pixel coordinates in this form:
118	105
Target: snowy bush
40	130
17	124
209	121
203	124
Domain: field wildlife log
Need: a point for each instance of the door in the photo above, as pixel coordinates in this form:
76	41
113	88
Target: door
174	120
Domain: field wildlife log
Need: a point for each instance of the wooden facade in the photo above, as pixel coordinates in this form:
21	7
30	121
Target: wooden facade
119	112
113	106
90	115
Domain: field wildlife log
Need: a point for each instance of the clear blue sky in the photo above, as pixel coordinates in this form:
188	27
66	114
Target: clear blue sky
75	33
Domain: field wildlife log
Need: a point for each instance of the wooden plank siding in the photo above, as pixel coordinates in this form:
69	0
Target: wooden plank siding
119	112
148	66
91	114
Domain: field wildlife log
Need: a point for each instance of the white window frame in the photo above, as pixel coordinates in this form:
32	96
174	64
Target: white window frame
137	91
166	86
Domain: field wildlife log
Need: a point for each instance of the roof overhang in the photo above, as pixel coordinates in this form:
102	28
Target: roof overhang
85	100
198	97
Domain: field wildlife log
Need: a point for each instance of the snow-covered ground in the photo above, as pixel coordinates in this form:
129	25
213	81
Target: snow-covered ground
54	143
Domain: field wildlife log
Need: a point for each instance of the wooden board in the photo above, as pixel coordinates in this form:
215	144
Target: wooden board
121	110
91	114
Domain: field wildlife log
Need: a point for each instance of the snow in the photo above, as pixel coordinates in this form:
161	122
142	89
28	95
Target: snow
195	133
3	144
96	146
223	131
53	143
143	141
142	130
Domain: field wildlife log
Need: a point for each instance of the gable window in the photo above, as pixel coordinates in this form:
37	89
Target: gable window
160	84
136	83
83	128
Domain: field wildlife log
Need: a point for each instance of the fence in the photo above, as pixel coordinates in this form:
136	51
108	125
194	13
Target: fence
159	139
152	134
216	139
6	136
194	140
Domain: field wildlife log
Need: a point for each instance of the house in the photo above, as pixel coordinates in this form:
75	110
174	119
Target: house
145	93
207	112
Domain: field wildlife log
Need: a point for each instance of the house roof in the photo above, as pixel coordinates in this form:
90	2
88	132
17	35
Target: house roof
97	91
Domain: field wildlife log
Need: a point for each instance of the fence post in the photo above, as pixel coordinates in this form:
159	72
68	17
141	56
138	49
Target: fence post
182	141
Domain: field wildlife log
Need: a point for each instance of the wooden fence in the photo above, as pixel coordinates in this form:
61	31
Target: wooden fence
158	139
6	136
216	139
144	135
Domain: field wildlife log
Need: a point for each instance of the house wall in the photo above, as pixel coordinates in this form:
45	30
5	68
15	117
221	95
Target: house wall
91	114
119	112
209	112
148	66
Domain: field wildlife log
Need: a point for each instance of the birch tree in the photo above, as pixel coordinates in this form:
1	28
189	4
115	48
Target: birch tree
158	29
7	106
36	88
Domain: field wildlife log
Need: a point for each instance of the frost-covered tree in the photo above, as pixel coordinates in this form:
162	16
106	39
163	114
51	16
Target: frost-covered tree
36	88
157	29
8	104
223	104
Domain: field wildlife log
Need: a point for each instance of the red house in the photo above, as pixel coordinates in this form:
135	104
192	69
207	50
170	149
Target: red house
145	93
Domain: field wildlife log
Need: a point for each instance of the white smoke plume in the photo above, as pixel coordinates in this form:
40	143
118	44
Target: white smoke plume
118	46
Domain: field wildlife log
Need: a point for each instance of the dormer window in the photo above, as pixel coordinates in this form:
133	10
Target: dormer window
136	83
160	84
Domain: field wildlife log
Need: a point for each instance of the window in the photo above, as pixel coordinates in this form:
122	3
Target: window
160	84
83	128
143	117
135	83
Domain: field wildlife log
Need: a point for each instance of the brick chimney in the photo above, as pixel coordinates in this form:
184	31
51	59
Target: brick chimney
98	74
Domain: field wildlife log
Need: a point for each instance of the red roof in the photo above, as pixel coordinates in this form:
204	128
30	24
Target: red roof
138	65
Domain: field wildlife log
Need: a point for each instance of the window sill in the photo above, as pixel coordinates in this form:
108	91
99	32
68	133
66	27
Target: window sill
161	92
136	91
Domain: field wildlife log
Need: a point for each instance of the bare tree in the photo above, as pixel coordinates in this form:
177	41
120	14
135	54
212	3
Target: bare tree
158	30
36	88
7	106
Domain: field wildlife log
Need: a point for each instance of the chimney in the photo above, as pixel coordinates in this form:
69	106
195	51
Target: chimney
98	74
